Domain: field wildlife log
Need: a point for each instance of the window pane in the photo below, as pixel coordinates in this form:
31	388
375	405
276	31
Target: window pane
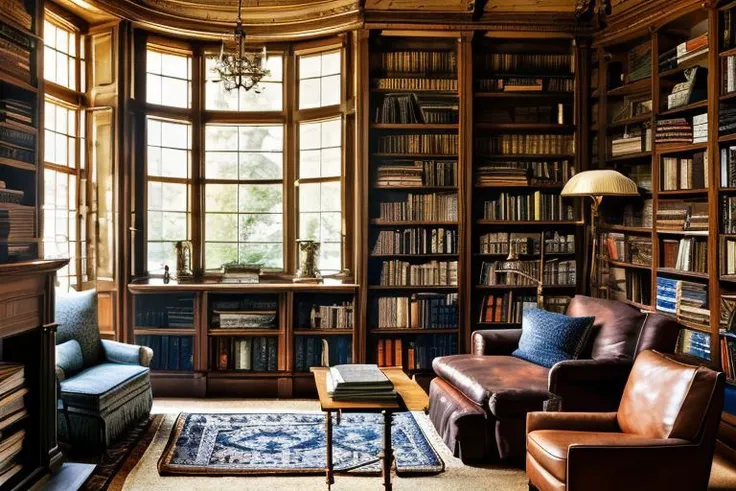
59	140
258	152
168	80
320	144
168	155
267	96
320	219
319	79
60	59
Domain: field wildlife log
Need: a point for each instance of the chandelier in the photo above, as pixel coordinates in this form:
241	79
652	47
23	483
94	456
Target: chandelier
242	68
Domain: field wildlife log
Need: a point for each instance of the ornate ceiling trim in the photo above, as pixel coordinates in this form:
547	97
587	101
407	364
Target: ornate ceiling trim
265	20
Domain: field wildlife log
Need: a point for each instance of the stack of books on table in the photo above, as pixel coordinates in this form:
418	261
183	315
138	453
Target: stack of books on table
12	413
359	383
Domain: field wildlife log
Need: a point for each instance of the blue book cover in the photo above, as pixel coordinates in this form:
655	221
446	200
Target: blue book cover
165	352
174	355
185	353
272	354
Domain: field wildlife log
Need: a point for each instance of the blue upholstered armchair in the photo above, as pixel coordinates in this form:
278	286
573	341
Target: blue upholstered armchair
104	386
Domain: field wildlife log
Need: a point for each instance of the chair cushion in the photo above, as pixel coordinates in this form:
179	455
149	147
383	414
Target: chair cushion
549	447
615	330
76	315
666	399
480	377
549	337
105	386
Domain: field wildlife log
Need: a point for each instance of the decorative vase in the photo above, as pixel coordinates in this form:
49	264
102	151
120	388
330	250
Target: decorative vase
308	273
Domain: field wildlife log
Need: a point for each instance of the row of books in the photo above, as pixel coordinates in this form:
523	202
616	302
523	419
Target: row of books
525	144
728	214
729	75
525	84
683	52
523	173
419	311
728	167
256	353
162	313
409	83
417	173
687	300
686	254
169	352
417	354
13	419
419	61
626	284
17	134
560	273
728	354
521	63
639	62
557	114
674	130
506	308
727	256
636	139
313	351
15	52
433	273
331	316
511	273
17	222
630	249
430	144
526	243
416	240
700	128
16	11
528	206
682	215
685	172
421	207
411	109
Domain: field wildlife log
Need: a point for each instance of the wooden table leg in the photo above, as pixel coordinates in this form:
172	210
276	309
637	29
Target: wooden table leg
330	479
388	452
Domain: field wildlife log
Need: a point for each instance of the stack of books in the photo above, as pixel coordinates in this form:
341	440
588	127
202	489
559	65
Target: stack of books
685	299
634	141
16	11
13	414
727	121
672	215
700	128
694	343
639	62
523	173
683	52
16	48
359	383
17	135
676	130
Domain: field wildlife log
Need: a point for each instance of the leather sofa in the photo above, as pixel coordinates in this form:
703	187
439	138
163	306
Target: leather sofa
479	401
662	437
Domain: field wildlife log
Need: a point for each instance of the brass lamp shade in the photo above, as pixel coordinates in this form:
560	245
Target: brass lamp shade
600	183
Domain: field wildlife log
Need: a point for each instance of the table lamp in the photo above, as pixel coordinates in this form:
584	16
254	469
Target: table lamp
597	184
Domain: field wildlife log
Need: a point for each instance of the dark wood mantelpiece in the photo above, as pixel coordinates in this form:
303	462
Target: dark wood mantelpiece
28	336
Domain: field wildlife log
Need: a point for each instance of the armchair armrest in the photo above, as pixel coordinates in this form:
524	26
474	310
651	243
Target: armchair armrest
642	465
496	341
68	360
128	354
589	385
571	421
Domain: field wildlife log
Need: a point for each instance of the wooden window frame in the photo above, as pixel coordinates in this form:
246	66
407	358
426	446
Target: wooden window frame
289	117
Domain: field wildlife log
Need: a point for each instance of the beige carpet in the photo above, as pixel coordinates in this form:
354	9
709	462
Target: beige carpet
144	477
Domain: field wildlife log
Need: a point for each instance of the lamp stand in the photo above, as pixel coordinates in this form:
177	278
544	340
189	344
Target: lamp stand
594	231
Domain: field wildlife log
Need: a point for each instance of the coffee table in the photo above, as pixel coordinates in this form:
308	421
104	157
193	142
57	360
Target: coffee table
411	398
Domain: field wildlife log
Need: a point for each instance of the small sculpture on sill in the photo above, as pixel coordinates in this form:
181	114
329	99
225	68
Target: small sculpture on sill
308	273
167	275
184	260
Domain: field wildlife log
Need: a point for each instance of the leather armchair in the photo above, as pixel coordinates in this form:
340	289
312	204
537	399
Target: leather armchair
662	436
479	401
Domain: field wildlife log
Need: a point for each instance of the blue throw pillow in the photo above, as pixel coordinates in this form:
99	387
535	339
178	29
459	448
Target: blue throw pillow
548	337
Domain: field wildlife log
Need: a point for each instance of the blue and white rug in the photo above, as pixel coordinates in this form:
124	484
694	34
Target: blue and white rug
291	443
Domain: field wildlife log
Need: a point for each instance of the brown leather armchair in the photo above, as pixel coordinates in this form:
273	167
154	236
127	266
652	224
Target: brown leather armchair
479	402
662	436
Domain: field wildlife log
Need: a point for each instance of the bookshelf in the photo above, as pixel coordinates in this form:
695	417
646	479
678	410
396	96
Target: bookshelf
415	199
525	124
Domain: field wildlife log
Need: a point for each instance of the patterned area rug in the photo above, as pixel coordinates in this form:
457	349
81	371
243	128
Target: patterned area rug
291	443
